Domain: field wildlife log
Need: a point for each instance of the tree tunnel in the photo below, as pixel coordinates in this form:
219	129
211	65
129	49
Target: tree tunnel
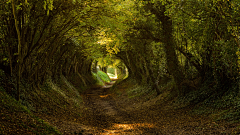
112	66
186	50
74	40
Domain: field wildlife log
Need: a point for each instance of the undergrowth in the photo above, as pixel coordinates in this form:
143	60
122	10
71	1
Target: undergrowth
59	99
138	91
104	76
101	78
122	76
205	100
97	79
16	118
219	101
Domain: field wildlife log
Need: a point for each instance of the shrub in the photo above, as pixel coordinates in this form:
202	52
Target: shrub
103	76
98	79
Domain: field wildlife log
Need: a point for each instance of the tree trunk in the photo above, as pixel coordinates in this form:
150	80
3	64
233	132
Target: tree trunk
104	69
116	73
169	46
94	66
19	51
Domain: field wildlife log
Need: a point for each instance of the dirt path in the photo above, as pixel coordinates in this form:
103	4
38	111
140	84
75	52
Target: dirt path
106	117
103	115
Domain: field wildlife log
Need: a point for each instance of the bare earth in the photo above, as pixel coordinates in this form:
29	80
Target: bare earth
103	116
106	117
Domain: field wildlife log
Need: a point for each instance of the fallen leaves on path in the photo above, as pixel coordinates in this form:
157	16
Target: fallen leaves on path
108	114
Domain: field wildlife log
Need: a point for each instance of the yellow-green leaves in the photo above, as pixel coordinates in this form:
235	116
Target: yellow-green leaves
110	41
48	5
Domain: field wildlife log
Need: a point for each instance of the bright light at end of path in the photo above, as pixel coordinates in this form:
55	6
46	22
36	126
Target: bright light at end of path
111	76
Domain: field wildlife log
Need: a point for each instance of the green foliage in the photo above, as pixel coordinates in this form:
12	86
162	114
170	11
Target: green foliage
111	70
48	129
97	79
65	37
40	127
138	91
103	76
122	76
8	102
1	73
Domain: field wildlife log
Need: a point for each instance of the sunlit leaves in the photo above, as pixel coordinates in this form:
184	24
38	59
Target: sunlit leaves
48	5
117	25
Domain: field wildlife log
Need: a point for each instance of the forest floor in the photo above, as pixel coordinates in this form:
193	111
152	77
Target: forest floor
106	113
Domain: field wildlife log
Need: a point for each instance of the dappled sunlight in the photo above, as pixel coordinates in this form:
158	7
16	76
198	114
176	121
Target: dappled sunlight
126	128
105	96
133	126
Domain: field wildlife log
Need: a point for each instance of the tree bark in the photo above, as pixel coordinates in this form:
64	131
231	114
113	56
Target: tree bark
168	41
19	51
169	46
94	66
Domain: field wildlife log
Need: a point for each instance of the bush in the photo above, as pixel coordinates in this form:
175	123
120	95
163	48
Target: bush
103	76
122	76
98	79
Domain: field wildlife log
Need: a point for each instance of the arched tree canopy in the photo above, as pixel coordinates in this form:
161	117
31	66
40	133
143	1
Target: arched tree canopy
157	40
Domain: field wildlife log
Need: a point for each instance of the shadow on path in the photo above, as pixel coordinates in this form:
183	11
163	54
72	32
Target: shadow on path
104	117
